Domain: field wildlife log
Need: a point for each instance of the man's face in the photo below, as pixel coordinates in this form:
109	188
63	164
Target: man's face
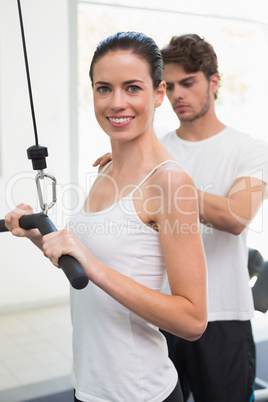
190	95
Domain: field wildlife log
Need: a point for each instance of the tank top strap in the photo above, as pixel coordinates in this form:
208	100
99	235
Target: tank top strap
105	167
146	177
152	171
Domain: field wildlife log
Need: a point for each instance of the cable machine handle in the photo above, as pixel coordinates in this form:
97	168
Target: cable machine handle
70	266
2	226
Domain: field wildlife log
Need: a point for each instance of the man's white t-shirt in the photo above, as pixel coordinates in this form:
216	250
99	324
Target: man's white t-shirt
214	164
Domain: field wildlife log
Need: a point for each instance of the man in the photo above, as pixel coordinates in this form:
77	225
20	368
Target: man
230	171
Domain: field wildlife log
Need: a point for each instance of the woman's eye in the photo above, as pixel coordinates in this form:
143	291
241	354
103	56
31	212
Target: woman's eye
133	88
103	90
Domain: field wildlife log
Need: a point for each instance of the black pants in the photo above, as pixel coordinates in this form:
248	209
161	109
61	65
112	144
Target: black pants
175	396
220	366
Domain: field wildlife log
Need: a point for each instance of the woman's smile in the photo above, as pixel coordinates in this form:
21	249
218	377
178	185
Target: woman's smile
120	121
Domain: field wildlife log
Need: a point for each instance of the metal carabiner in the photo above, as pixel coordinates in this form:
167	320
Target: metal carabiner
41	176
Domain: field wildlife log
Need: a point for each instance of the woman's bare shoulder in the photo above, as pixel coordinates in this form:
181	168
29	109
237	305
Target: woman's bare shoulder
172	173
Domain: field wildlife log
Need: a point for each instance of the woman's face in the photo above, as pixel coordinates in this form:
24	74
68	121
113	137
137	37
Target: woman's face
124	97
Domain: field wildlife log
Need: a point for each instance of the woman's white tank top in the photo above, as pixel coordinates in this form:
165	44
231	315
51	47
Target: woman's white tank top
117	355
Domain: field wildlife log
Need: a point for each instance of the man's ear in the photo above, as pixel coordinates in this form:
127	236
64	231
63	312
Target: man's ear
214	82
160	94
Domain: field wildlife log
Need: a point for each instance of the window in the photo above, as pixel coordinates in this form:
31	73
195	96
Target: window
243	62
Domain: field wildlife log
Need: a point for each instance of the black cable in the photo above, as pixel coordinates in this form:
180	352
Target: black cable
37	153
27	73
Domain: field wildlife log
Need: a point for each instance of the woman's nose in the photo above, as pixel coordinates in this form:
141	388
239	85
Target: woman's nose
118	101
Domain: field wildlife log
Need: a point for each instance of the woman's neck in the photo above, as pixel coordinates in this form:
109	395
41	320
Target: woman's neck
137	154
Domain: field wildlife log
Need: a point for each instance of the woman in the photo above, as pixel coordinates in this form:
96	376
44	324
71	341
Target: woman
139	224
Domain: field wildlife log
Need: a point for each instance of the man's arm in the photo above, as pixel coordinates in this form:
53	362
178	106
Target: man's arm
234	212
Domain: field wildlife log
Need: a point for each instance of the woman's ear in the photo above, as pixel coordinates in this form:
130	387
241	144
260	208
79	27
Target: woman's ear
160	94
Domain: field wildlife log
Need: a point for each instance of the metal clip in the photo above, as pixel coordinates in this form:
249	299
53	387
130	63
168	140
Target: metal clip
41	176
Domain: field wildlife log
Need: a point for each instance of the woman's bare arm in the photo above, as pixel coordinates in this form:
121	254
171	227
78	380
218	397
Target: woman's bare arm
183	313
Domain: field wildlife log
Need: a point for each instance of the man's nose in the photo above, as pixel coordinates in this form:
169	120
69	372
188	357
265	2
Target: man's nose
178	92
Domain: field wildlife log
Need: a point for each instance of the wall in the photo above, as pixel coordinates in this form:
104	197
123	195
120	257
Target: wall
27	278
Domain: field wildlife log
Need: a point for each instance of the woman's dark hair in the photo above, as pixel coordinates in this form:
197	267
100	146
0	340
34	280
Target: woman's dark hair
192	53
137	43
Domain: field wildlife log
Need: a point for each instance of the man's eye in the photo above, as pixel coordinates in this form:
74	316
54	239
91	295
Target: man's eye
169	88
188	84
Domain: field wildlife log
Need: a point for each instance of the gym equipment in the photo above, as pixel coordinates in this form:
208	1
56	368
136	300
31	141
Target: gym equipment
259	268
260	290
37	154
255	262
69	265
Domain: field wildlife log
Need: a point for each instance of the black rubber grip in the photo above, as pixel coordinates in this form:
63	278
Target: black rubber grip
2	226
70	266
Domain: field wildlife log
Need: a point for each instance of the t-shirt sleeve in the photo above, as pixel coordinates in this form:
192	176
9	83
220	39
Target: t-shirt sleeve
253	161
